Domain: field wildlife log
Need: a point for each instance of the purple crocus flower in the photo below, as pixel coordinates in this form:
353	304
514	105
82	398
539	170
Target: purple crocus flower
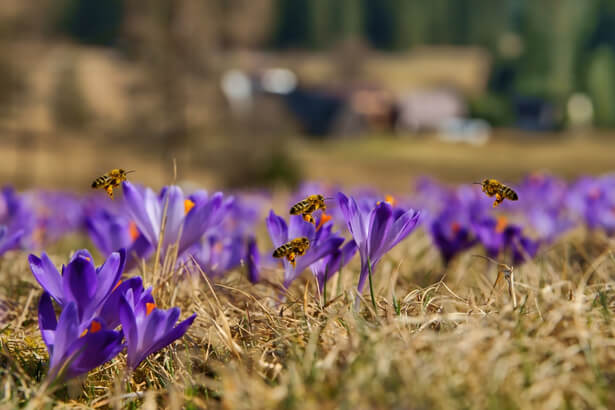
188	219
82	283
148	329
325	268
216	256
497	236
9	240
110	232
17	217
110	311
451	231
74	347
253	260
56	214
322	242
593	200
375	232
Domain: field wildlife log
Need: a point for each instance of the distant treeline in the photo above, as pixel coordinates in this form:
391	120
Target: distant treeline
542	48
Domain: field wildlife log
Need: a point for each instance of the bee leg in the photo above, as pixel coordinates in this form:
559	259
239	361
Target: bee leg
308	218
291	259
498	200
109	190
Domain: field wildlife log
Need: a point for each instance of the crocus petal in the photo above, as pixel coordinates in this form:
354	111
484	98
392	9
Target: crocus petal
109	275
172	335
110	312
140	249
199	220
327	247
67	331
253	261
278	230
92	350
129	327
357	225
402	227
174	201
299	227
379	224
47	276
144	216
79	283
47	322
11	241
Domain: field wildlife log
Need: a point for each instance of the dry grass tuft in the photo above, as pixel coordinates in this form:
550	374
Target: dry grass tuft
439	345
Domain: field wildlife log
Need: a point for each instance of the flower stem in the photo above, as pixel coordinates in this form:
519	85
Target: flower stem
324	290
339	277
371	288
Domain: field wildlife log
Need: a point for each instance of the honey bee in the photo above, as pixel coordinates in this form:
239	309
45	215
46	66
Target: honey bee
494	187
307	206
290	250
110	180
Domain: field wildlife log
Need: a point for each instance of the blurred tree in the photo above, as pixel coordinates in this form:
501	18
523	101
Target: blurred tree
91	22
601	86
292	24
69	106
380	23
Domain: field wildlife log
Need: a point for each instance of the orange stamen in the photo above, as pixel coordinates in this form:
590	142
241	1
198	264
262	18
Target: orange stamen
149	307
95	326
324	218
133	230
501	224
188	205
390	199
119	282
455	227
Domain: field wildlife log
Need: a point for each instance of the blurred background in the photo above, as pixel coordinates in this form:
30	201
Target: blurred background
247	93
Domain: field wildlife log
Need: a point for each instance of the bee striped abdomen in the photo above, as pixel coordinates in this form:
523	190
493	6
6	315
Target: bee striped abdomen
100	181
300	208
281	251
509	193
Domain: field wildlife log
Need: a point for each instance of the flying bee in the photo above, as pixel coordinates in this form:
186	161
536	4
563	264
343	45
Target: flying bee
494	187
309	205
290	250
110	180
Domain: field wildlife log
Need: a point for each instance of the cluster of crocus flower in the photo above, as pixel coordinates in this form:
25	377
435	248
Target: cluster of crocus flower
17	221
375	227
217	233
93	303
460	218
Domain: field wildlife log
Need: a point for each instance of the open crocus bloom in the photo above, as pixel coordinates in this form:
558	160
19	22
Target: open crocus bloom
80	282
375	231
322	242
148	329
188	219
74	347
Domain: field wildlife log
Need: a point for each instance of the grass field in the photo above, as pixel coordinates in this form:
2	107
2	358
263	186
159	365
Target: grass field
447	346
438	338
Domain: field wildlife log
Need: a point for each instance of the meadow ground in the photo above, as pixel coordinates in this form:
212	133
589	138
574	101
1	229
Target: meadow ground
435	340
